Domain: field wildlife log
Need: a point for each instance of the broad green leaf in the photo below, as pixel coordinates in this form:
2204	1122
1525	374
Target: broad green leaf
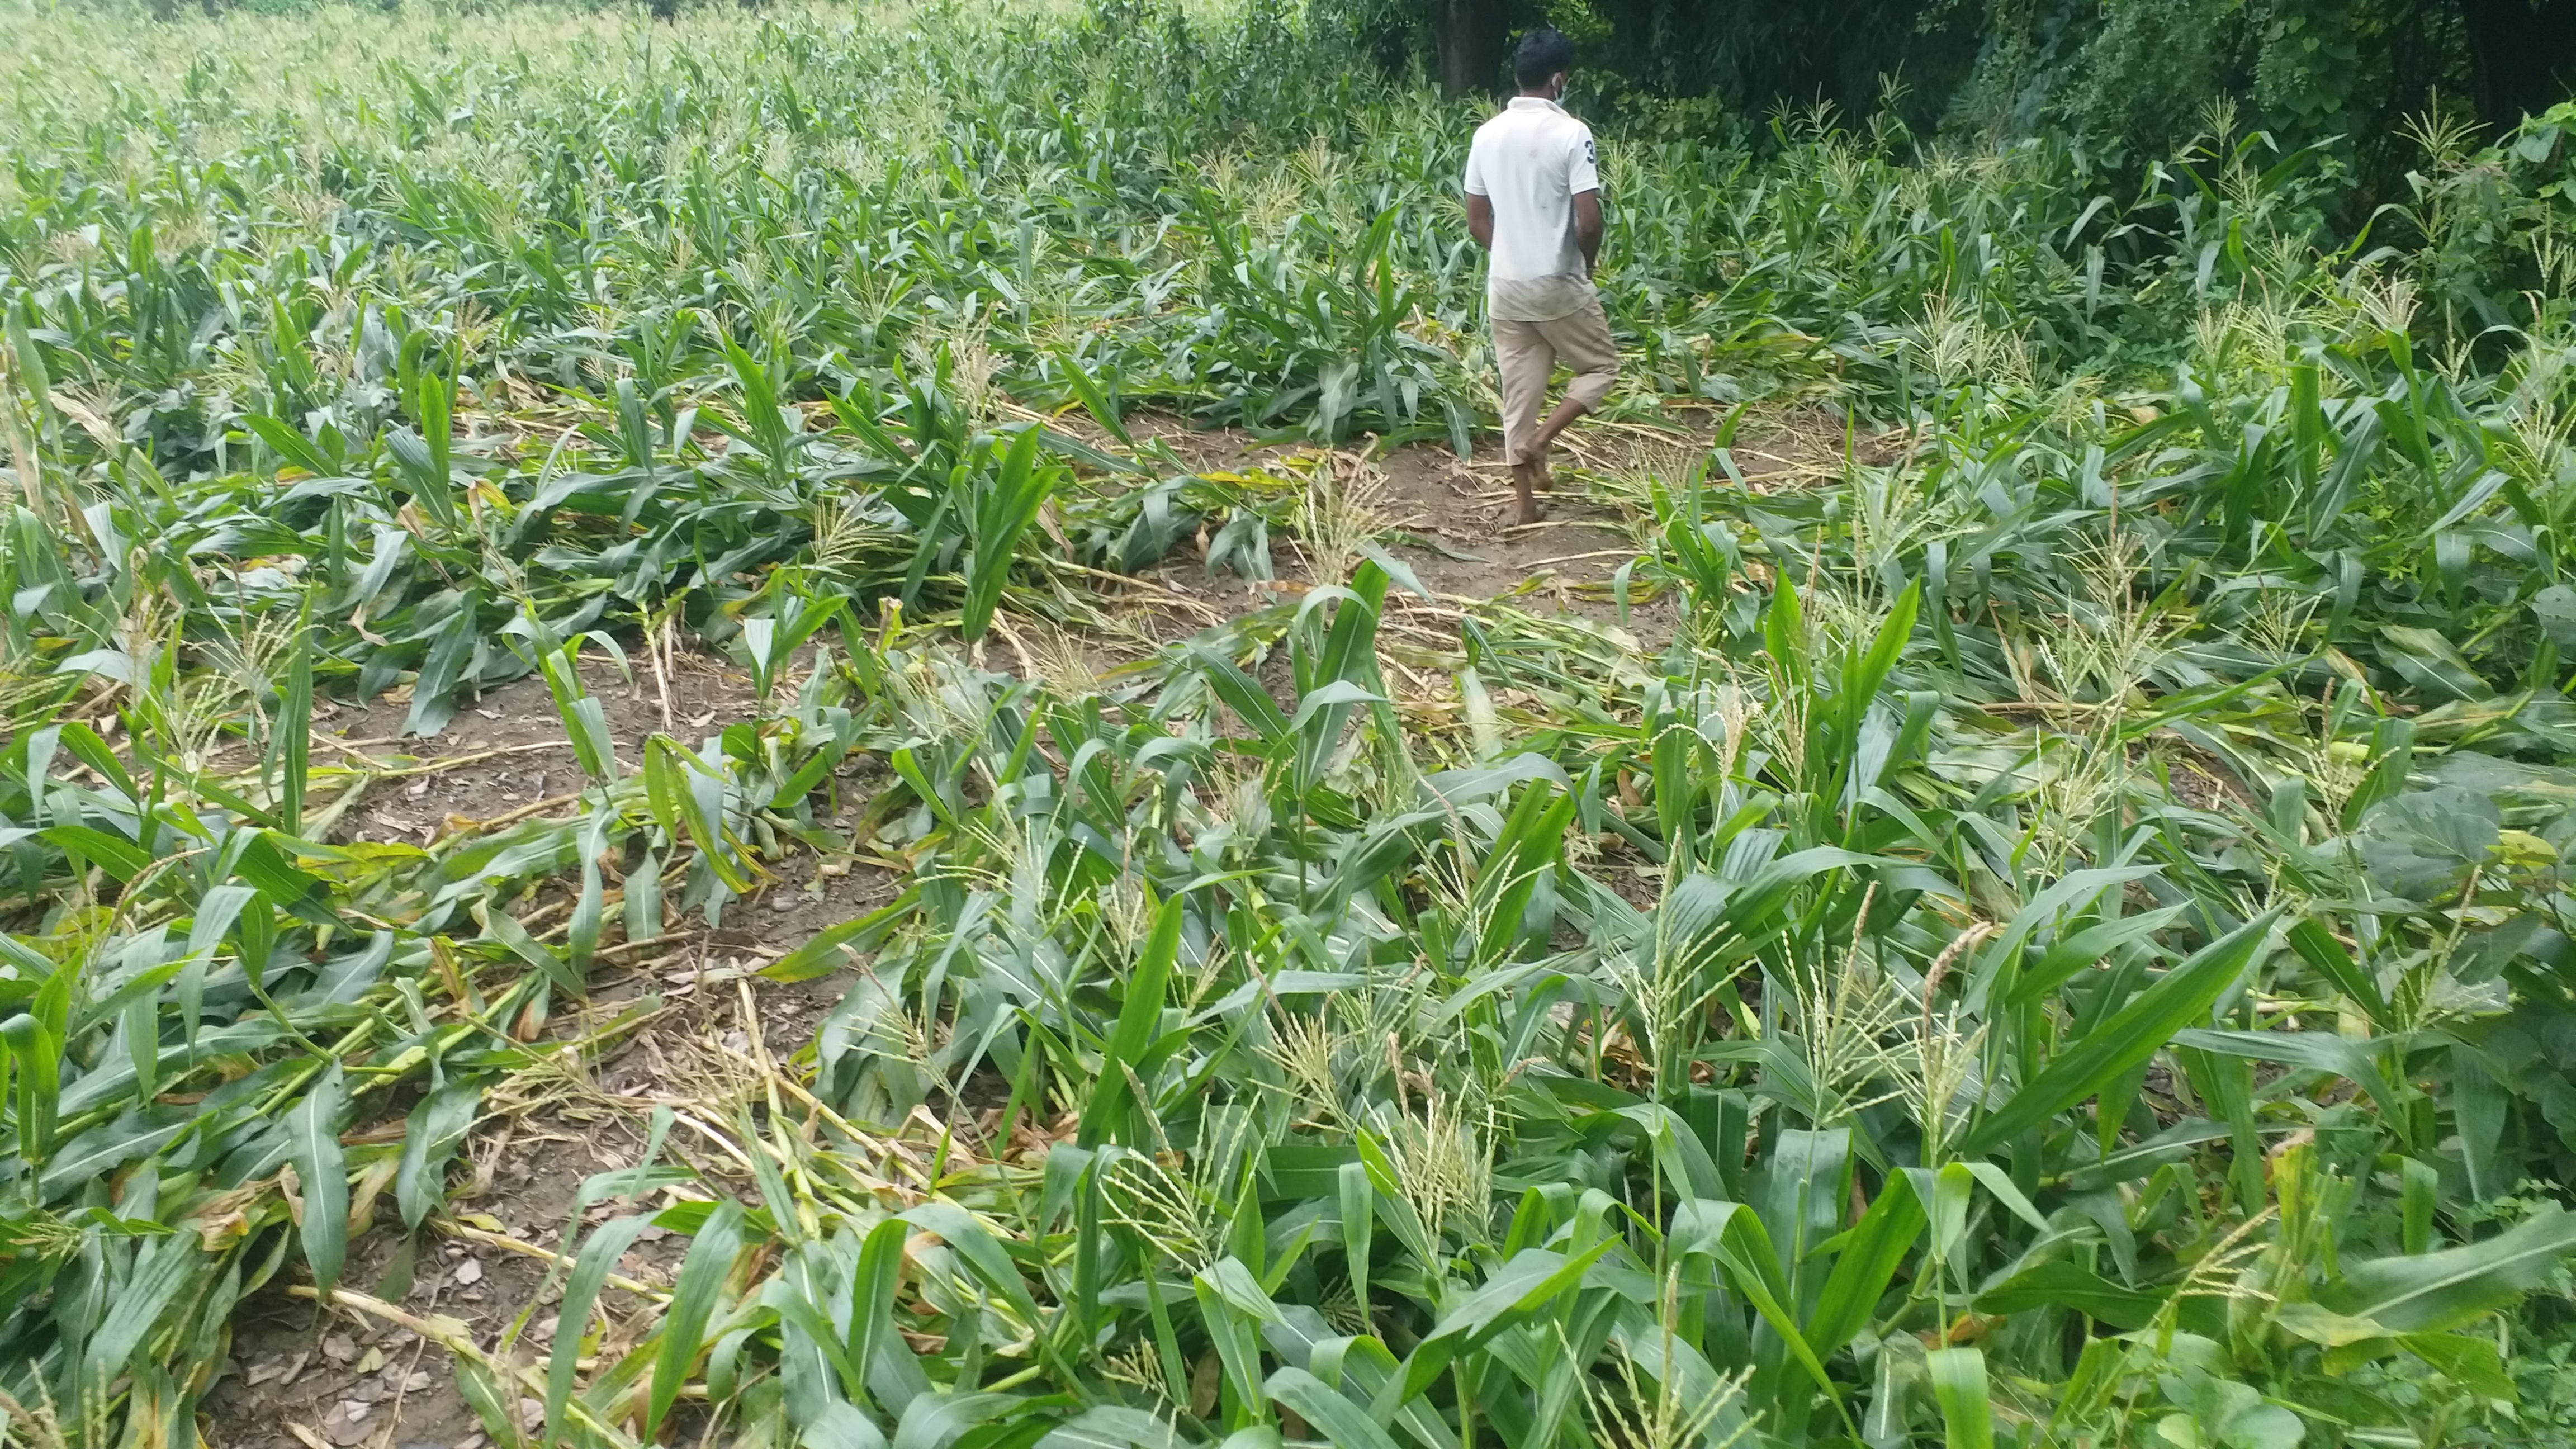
693	1305
2136	1032
1527	1282
1344	1424
872	1294
1877	1247
2435	1292
597	1259
1139	1019
2064	1285
313	1129
1967	1411
436	1128
935	1421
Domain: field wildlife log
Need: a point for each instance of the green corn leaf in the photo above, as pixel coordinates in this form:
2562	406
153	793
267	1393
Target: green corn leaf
1241	693
1392	1203
1877	1247
2064	1285
313	1133
1005	503
2438	1292
1967	1408
2134	1034
142	1028
291	744
663	785
289	444
1529	848
1526	1283
872	1294
1679	1154
2474	1363
597	1259
1863	674
585	724
827	950
982	1252
581	932
163	1268
494	1407
1235	1330
1999	1183
35	1062
1730	1233
1094	398
1342	1423
2314	1050
90	750
120	858
719	1240
686	791
1139	1020
1359	1216
436	1128
642	909
796	1293
499	925
2318	947
2478	1106
936	1421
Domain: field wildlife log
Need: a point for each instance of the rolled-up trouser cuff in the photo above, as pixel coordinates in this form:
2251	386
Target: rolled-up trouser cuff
1527	352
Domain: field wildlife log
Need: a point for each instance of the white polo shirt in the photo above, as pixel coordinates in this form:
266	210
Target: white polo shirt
1531	161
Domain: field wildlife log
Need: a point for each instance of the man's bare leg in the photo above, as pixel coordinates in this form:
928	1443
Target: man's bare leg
1532	473
1525	477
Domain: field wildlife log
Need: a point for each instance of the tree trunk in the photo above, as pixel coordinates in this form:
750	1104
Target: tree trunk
1470	34
2524	56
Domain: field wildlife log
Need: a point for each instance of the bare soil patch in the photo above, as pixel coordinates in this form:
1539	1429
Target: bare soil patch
343	1379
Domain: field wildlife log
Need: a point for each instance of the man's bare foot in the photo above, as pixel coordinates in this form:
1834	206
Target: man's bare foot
1523	478
1527	477
1531	511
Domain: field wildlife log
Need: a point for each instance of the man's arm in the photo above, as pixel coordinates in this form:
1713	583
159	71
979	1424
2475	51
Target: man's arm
1587	226
1480	219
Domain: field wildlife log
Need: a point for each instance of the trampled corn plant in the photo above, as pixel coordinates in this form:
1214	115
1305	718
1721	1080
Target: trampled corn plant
2066	946
209	995
1351	1144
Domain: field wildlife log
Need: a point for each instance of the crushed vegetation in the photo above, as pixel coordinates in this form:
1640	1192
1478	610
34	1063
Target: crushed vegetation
816	727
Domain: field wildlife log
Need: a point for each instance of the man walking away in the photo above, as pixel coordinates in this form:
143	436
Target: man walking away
1534	201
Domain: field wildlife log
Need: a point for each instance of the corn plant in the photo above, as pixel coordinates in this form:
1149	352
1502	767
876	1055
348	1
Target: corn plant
2064	945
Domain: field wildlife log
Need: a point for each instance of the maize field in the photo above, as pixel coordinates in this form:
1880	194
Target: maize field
816	726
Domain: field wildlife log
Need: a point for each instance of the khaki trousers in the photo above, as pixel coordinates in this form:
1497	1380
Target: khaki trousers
1526	352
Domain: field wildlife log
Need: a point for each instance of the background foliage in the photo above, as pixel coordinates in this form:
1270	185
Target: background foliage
2128	82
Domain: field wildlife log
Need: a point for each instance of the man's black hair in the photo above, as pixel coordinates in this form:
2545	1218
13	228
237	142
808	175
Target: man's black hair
1544	52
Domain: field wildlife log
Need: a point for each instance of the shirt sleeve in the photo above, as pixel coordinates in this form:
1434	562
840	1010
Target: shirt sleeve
1583	168
1475	182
